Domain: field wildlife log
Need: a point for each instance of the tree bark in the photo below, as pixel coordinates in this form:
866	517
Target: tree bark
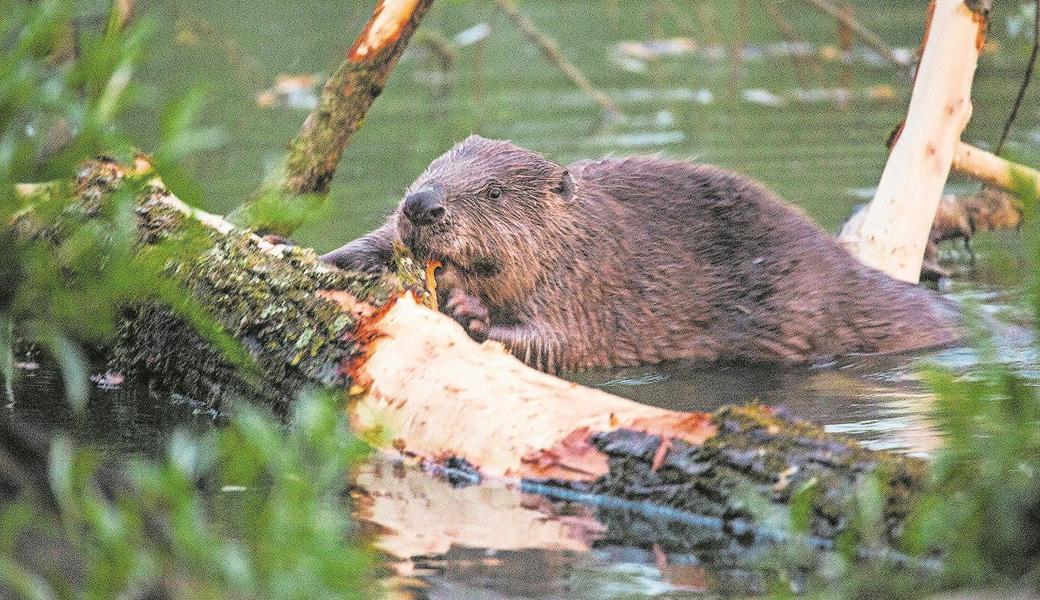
894	232
348	94
315	152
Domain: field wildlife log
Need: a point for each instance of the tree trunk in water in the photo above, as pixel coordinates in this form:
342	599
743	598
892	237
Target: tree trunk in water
894	232
416	384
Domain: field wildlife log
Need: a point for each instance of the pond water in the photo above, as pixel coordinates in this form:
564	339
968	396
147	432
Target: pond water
803	143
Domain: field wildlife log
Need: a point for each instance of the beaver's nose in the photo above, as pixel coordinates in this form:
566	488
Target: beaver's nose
424	206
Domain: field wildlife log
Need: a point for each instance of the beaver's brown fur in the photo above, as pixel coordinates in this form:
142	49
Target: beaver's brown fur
624	261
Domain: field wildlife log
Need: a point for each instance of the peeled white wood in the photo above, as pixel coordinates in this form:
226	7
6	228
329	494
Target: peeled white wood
894	231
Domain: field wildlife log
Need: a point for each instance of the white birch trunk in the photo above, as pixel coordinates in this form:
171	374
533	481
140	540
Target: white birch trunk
894	231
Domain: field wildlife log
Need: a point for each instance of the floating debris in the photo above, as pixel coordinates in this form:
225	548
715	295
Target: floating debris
654	49
634	55
700	96
640	139
763	97
468	37
838	95
292	91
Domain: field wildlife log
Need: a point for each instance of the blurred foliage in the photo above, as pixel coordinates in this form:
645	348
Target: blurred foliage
251	510
272	523
62	88
977	523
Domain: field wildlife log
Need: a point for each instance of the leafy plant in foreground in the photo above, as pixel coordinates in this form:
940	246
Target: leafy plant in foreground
254	510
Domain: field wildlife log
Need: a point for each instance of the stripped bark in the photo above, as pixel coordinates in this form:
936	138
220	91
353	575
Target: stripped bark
350	91
893	235
993	170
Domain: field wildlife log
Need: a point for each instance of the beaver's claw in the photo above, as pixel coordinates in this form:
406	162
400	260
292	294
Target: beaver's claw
470	312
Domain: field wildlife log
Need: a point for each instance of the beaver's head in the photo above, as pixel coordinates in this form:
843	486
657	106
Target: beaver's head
485	207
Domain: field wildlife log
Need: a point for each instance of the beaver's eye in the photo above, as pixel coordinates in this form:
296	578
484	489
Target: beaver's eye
494	192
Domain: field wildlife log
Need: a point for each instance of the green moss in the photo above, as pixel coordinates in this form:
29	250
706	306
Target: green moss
265	299
762	468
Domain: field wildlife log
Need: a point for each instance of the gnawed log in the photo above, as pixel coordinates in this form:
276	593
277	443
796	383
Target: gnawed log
419	386
894	231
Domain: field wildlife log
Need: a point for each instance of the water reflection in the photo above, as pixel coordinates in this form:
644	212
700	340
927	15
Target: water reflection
492	542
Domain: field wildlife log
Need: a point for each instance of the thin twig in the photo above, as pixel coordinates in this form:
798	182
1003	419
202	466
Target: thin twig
1025	80
679	18
789	33
845	43
706	15
737	49
869	37
551	50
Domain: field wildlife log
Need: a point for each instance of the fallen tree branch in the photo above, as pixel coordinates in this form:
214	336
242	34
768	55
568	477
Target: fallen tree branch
993	170
315	152
347	95
418	385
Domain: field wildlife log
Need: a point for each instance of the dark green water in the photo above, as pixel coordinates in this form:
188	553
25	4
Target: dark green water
817	155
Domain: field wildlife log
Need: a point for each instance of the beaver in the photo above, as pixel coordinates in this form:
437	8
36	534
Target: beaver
634	260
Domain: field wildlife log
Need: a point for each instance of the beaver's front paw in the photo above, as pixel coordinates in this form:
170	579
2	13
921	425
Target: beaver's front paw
470	312
357	258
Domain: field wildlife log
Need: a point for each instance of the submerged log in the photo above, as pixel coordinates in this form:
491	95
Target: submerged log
960	219
417	385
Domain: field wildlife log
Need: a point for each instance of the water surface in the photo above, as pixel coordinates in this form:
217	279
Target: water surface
813	150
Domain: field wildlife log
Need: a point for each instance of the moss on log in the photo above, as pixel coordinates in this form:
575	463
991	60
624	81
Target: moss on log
758	455
264	296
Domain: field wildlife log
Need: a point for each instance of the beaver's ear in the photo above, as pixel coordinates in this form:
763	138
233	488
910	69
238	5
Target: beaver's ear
565	187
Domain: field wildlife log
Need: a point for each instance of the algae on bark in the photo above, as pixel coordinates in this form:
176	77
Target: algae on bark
264	296
758	454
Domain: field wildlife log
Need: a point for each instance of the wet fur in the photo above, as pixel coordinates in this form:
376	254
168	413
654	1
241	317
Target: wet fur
637	260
